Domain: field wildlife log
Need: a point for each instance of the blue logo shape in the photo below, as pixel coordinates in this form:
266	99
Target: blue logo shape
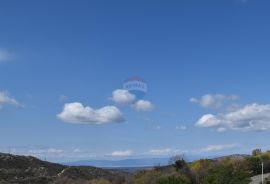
136	86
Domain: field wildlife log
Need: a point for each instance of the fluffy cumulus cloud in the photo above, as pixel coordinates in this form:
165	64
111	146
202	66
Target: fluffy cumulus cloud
124	153
143	105
213	101
5	55
5	99
124	97
252	117
121	96
164	151
77	113
218	147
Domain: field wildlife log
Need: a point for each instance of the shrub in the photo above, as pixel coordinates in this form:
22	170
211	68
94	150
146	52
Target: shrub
99	181
226	173
173	180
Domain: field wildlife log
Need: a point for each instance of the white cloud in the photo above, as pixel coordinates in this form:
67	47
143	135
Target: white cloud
218	147
252	117
45	152
124	97
143	105
121	96
76	150
5	56
124	153
213	101
208	120
181	127
55	151
77	113
5	99
221	129
165	151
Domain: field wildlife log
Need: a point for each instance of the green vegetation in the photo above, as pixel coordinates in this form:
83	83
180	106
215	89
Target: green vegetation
254	162
235	169
99	181
173	180
226	172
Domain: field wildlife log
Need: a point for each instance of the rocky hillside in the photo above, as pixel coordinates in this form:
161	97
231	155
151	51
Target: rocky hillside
30	170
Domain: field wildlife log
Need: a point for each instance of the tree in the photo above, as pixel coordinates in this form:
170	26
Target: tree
180	165
226	173
200	169
254	165
256	152
173	159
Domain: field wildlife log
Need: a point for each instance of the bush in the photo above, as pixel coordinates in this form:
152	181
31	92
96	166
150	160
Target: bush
99	181
226	173
149	177
256	152
173	180
254	165
200	169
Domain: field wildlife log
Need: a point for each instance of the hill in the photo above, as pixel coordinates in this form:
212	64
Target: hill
30	170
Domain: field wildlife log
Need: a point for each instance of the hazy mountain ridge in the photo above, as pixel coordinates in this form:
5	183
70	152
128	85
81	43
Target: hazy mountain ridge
140	162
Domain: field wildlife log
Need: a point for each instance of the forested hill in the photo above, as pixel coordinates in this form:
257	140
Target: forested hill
30	170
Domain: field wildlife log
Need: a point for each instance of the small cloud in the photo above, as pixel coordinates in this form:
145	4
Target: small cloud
181	127
125	97
5	99
45	152
122	96
221	129
165	151
124	153
55	151
5	55
211	148
78	114
213	101
76	150
208	120
143	105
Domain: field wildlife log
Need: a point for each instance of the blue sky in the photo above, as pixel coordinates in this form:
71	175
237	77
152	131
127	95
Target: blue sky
206	64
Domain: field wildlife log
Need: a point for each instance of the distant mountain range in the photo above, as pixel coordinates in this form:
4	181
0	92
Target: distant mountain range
138	162
126	163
